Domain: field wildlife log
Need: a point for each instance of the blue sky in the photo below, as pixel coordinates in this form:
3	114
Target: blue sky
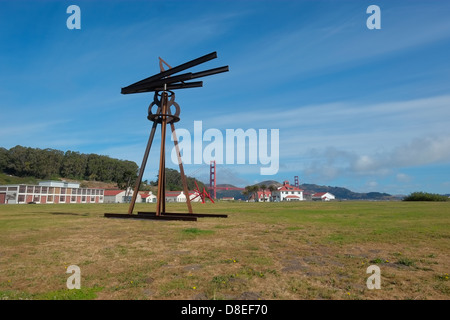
364	109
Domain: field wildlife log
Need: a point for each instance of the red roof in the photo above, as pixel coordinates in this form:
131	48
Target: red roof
113	192
291	196
288	187
319	194
172	193
145	194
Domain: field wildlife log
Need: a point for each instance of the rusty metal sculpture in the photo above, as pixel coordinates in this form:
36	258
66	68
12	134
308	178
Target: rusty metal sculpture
203	195
163	85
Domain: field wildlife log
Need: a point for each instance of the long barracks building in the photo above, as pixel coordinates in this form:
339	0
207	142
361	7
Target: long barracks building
49	192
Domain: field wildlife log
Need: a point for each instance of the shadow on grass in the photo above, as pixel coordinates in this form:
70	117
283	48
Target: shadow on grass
68	214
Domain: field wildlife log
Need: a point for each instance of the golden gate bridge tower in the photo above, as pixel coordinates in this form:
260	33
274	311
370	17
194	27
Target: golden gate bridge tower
213	181
212	178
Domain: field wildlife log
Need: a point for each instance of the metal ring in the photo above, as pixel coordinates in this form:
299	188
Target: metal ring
158	118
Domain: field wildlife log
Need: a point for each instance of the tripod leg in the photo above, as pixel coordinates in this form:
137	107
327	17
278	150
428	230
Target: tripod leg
161	200
161	178
183	177
163	203
142	169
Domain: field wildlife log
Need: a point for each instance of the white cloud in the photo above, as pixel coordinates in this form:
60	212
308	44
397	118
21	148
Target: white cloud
372	184
368	137
344	116
401	177
332	162
422	151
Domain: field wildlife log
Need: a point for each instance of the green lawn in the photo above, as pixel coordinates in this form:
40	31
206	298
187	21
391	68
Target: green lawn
305	250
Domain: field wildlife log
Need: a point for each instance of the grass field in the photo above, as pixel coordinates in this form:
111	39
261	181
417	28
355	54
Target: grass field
306	250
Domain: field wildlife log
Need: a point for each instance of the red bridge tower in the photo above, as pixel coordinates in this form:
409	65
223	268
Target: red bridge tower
212	177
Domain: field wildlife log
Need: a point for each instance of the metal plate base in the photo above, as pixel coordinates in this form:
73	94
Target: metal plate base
149	217
175	214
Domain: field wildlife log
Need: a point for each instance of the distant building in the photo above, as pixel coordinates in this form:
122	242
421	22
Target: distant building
178	196
323	196
261	196
148	197
287	193
114	196
120	196
49	192
227	198
307	195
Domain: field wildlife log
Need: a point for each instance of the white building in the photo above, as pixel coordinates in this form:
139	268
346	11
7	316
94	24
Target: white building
227	199
120	196
148	197
178	196
49	192
323	196
261	196
287	193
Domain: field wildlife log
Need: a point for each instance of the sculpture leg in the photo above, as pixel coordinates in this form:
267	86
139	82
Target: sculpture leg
183	177
161	199
142	169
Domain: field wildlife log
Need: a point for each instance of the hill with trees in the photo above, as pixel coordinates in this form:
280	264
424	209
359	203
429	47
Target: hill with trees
345	194
26	162
174	182
29	165
340	192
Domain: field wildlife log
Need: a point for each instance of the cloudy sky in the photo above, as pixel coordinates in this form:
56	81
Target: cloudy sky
366	109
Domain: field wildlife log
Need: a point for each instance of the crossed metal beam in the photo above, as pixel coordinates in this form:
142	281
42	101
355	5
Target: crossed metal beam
158	81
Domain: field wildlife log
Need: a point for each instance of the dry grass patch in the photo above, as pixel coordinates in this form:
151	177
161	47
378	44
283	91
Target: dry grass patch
261	251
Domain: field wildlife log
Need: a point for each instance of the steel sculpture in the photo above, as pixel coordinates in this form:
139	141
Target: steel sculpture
202	194
163	84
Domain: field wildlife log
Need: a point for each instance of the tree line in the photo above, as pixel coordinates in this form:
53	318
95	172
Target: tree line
174	182
50	164
252	190
425	196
